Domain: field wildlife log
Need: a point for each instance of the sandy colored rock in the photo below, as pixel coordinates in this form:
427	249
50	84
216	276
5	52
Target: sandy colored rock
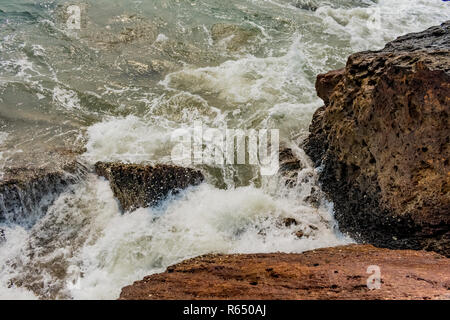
332	273
382	142
140	186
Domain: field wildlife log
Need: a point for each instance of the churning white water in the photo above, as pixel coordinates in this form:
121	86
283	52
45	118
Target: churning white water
121	95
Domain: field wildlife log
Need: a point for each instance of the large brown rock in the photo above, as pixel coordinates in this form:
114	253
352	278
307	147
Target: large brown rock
382	142
141	186
332	273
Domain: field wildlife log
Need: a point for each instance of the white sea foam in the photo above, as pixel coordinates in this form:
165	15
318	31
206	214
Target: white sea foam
106	250
371	27
130	139
66	99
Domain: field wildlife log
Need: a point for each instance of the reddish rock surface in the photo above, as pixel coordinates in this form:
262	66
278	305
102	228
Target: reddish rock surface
382	141
332	273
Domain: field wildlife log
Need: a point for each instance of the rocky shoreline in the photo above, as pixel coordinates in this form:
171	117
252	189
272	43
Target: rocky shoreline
27	191
381	145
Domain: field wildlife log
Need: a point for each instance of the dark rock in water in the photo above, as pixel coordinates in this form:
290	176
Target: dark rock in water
435	38
26	192
330	273
289	162
290	222
306	5
289	166
140	186
382	142
2	236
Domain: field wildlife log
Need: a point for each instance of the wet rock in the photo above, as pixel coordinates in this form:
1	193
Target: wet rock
152	67
382	142
300	234
2	236
289	166
181	52
332	273
26	192
234	36
289	162
289	222
310	5
120	32
137	186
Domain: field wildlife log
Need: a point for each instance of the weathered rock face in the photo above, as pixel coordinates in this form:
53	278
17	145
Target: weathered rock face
140	186
332	273
382	141
27	191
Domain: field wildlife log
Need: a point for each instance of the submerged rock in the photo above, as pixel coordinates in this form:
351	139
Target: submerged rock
332	273
26	192
310	5
234	36
382	142
137	186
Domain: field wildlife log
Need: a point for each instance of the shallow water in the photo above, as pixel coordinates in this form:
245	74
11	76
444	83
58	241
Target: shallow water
134	73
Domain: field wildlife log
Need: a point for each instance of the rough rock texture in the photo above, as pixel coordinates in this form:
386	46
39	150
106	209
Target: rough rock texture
290	165
332	273
237	36
310	5
382	142
26	191
137	186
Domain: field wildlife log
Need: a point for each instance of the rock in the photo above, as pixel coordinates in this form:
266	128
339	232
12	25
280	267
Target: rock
26	191
326	83
332	273
2	236
290	165
300	234
154	66
310	5
287	222
235	36
138	186
382	142
123	30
